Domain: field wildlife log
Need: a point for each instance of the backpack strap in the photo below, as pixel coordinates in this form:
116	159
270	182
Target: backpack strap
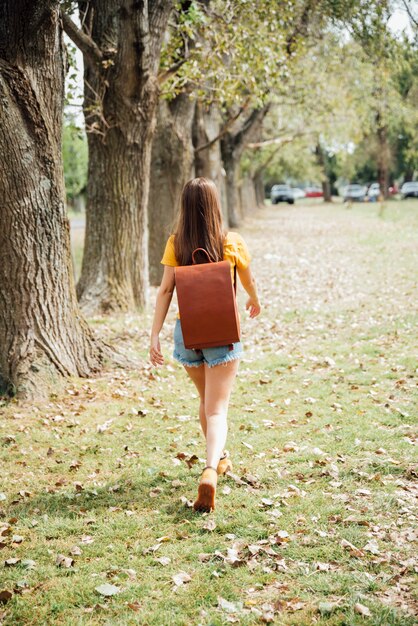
203	250
231	346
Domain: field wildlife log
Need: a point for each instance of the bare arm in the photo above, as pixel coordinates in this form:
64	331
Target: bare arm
164	297
248	282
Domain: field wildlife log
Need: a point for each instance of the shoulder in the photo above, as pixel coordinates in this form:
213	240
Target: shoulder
233	239
169	257
236	250
170	243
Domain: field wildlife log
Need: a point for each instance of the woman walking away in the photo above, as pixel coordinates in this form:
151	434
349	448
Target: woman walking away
213	370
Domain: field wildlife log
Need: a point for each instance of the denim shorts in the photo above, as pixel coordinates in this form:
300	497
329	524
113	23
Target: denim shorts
210	356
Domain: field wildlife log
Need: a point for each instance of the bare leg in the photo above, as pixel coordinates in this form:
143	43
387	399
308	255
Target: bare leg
218	387
197	374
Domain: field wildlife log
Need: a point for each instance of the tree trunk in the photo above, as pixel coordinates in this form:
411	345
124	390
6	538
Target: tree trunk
232	146
247	195
121	97
259	189
326	185
231	164
383	158
171	167
41	329
208	161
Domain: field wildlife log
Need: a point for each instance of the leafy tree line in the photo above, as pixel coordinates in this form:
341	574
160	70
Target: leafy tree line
171	89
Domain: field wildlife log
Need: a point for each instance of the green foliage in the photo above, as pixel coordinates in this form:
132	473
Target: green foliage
239	50
236	51
71	86
74	152
325	101
339	96
393	105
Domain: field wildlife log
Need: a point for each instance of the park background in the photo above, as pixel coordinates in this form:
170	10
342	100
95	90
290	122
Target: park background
100	452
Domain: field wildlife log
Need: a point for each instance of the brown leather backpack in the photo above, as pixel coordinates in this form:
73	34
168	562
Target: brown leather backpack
207	303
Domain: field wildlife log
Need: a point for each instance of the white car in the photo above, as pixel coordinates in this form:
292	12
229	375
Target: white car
409	190
374	191
354	193
281	193
298	193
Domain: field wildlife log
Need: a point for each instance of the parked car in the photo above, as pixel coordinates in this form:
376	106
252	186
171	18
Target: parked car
281	193
314	192
409	190
373	192
355	193
298	193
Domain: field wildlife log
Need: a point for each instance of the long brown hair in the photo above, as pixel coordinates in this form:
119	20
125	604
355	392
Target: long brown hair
199	223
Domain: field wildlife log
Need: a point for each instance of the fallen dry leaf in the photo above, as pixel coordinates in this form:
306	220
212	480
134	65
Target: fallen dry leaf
352	549
64	561
5	596
210	525
372	546
228	606
87	539
164	560
181	578
362	610
107	590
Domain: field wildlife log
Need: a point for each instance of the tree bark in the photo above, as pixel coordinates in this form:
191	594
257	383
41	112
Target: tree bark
259	189
208	161
120	100
230	159
383	157
232	146
171	167
247	195
41	330
325	182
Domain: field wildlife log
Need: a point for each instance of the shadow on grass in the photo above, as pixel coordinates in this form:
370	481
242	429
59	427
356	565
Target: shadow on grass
125	493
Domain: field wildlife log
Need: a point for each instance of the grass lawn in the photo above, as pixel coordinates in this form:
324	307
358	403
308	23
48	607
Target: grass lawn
316	524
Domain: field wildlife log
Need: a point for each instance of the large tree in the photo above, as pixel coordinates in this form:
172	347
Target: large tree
41	329
171	167
172	148
121	44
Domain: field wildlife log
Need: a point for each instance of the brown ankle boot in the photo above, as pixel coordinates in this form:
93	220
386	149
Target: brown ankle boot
205	500
225	464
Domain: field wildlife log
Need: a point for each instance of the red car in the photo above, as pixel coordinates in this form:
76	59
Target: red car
314	192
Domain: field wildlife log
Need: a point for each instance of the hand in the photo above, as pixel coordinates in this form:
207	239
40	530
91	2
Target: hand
253	306
155	353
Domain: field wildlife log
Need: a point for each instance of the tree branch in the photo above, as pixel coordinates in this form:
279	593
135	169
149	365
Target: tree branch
188	44
256	116
267	161
276	140
224	128
410	15
163	76
85	43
